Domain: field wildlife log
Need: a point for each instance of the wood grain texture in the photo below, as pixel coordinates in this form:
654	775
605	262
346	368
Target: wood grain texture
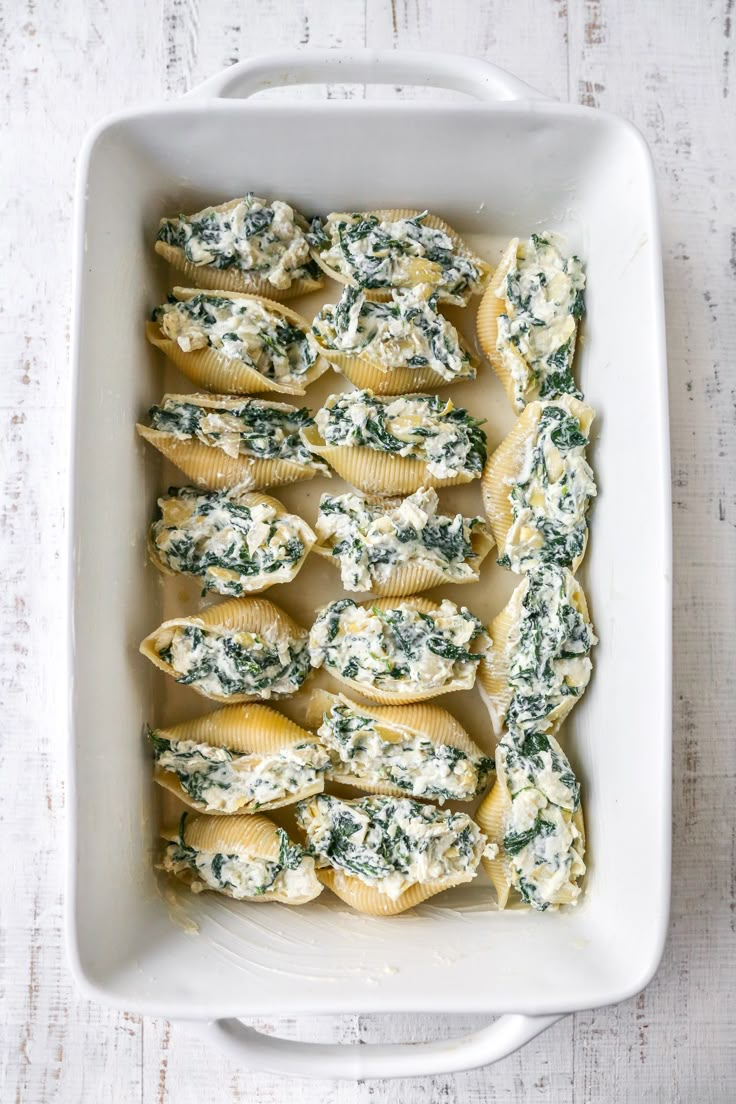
669	67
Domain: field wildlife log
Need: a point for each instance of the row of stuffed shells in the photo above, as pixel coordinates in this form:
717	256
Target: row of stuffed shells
381	446
536	489
243	759
240	344
380	855
238	542
391	650
266	248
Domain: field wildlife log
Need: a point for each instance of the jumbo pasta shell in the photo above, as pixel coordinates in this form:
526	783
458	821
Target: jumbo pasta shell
396	722
504	466
248	837
245	730
232	279
486	325
493	671
425	272
211	369
211	467
486	322
374	472
252	615
365	372
370	901
253	584
386	697
491	817
411	578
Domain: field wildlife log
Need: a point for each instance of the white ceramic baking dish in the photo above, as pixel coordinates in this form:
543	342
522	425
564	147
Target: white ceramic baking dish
506	162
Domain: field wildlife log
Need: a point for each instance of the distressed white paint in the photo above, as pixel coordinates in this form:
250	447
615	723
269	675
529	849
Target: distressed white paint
669	66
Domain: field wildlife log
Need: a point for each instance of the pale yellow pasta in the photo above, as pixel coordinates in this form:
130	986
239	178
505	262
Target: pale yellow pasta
252	731
412	577
370	901
250	622
420	270
211	467
464	679
394	724
233	278
505	470
527	321
223	580
250	839
493	817
211	369
378	473
486	322
551	654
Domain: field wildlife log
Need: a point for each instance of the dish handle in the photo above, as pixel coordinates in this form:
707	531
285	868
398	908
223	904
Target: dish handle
358	1061
476	77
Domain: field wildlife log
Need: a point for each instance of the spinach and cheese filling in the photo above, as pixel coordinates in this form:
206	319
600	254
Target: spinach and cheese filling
391	843
241	876
550	496
542	843
225	781
224	662
408	332
234	544
253	427
548	650
260	238
372	252
371	538
543	294
366	749
398	649
422	427
242	330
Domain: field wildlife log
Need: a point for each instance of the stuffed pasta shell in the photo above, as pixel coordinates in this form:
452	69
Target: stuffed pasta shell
247	244
382	855
235	344
398	650
537	486
405	345
528	320
539	664
245	649
244	857
380	250
399	546
390	446
534	823
239	759
221	442
235	542
399	750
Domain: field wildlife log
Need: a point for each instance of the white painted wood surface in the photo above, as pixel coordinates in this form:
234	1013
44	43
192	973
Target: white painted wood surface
668	65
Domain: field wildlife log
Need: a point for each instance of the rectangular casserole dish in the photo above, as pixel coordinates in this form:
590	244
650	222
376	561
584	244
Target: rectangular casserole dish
506	163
